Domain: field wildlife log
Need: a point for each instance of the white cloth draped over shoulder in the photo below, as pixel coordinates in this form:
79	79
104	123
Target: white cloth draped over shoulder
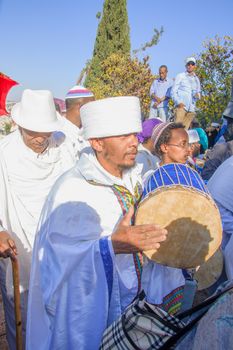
146	158
75	135
78	285
25	180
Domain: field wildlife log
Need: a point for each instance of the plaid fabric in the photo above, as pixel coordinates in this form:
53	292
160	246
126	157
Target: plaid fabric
142	326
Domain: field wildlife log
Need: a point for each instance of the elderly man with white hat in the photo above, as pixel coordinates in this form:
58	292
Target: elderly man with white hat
31	160
76	97
185	92
86	264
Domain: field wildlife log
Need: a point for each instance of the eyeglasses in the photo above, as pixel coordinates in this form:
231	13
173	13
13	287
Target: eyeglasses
181	145
190	64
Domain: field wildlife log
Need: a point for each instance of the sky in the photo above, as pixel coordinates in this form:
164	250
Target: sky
46	43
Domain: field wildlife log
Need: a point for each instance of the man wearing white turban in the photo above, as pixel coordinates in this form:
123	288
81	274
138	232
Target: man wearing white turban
86	263
31	160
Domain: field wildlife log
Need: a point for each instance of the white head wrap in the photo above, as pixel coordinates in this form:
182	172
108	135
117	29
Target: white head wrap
111	117
193	136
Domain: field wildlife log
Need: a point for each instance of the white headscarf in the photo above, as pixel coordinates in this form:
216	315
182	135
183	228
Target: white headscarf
111	117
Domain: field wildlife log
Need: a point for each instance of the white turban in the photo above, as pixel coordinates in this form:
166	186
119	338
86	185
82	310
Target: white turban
111	117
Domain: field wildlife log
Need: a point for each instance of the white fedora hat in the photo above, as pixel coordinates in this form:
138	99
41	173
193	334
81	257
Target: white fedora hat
36	112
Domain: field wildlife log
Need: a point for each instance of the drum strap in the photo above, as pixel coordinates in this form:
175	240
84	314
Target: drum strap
189	292
126	200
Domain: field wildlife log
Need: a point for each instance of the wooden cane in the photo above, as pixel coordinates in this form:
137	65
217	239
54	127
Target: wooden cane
18	318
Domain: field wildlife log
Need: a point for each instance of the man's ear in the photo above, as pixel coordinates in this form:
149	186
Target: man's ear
164	148
96	144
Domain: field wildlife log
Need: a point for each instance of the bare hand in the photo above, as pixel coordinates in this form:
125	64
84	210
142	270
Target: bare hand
7	246
181	105
131	239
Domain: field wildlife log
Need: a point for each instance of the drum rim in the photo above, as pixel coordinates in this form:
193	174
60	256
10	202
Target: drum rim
172	187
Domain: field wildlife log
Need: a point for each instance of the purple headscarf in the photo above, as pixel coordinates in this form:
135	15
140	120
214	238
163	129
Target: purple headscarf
147	128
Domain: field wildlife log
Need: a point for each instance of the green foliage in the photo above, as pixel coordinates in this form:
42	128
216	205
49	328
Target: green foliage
154	41
122	76
214	68
112	36
7	128
98	15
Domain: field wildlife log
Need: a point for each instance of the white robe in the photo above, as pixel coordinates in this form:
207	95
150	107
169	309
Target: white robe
220	186
75	135
78	285
146	158
25	180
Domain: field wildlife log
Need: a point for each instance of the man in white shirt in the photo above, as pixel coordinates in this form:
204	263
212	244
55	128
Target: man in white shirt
186	91
31	159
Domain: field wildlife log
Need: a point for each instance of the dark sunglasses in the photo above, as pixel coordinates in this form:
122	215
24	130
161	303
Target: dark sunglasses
190	64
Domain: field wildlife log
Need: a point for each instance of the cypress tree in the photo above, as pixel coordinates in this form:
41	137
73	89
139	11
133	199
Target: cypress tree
112	36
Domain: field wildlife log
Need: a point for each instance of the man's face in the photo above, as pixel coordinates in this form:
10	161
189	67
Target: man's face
73	112
162	73
190	67
116	153
36	141
177	149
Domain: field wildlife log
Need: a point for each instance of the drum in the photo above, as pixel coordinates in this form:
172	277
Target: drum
176	198
208	273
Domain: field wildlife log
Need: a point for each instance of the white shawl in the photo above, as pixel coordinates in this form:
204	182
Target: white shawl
25	180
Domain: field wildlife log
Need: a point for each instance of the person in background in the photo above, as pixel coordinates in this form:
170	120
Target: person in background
160	93
220	136
194	151
221	151
202	135
31	160
145	154
186	91
171	143
76	97
220	186
212	132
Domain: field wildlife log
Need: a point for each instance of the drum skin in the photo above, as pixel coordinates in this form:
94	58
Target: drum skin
208	273
193	223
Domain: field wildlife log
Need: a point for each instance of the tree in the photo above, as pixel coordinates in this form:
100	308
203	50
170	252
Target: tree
112	36
122	76
215	70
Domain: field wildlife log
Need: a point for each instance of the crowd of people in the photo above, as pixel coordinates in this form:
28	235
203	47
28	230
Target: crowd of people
70	187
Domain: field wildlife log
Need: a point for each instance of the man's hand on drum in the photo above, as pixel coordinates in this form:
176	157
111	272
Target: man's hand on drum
7	246
128	239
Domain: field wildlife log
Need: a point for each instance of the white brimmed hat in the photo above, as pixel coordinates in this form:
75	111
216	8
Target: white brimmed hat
111	116
193	136
36	112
